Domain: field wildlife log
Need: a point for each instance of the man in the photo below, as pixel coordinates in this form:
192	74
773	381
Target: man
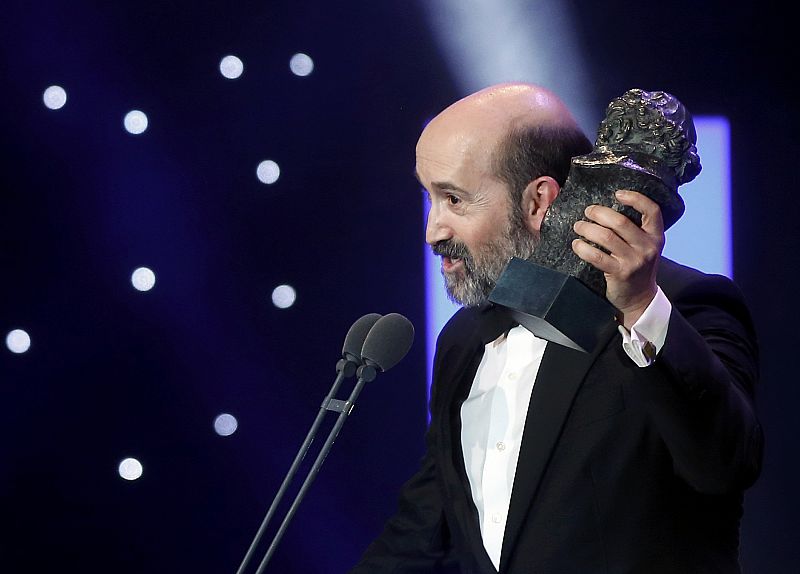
544	459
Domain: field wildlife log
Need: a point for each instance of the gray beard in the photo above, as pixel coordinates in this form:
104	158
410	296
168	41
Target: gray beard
471	287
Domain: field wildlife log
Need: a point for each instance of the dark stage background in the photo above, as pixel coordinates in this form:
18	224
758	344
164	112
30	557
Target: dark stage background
113	372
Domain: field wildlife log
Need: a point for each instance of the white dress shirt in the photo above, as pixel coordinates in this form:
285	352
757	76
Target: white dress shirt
493	415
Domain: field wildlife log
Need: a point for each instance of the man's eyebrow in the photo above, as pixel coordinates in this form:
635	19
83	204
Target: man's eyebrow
446	185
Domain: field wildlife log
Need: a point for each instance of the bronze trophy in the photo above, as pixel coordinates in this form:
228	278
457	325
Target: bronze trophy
646	143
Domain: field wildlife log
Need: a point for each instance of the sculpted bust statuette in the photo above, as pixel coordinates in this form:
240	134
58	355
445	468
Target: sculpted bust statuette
646	143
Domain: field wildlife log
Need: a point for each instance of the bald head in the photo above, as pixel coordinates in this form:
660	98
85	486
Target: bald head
513	133
502	107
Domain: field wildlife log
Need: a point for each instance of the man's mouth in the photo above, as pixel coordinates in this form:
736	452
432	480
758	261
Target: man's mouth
450	264
454	255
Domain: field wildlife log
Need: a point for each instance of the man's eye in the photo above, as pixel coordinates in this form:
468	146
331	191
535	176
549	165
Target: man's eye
453	200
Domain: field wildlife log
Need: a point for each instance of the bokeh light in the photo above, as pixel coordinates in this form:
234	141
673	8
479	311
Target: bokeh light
135	122
284	296
301	64
225	424
130	469
231	67
18	341
143	279
54	97
268	171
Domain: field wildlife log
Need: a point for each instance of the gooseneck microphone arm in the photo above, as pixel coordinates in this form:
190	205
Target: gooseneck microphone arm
385	340
345	367
346	409
386	343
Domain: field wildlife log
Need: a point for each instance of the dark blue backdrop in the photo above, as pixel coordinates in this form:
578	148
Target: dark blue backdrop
113	372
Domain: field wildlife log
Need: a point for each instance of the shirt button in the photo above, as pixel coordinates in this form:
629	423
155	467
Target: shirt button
496	518
512	376
501	445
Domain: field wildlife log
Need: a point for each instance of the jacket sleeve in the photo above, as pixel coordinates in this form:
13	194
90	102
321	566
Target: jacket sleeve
702	387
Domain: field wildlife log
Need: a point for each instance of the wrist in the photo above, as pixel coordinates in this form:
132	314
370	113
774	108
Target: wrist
629	314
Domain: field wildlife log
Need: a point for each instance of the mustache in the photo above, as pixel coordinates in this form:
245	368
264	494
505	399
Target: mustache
452	249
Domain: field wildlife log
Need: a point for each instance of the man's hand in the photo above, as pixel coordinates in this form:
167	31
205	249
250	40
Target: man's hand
631	264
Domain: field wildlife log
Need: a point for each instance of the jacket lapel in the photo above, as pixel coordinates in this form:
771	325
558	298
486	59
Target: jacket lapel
560	376
457	373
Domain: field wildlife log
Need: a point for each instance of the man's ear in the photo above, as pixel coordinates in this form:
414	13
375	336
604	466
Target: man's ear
537	198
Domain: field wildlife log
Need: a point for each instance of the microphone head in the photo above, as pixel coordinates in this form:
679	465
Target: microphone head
388	341
355	337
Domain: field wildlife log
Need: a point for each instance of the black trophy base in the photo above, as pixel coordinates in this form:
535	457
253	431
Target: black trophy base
553	306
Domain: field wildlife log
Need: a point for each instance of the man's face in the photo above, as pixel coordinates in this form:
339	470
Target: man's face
471	223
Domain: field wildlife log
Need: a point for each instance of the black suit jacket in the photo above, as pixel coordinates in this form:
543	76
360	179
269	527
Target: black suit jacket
621	469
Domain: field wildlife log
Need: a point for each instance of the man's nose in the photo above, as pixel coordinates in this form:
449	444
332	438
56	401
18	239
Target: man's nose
436	228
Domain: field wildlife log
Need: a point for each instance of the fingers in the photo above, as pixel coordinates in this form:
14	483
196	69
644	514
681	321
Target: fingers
603	261
652	222
626	253
621	225
628	245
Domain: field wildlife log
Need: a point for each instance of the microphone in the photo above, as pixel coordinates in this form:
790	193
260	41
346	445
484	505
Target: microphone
385	345
353	341
345	367
386	342
357	335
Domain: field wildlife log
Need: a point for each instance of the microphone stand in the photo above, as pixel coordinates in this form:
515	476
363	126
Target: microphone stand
366	374
345	368
383	341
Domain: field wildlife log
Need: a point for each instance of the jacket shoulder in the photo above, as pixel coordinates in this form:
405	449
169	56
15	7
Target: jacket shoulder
463	323
678	281
691	290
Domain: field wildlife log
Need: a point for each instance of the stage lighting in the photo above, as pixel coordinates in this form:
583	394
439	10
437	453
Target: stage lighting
225	424
135	122
54	97
283	296
301	64
231	67
268	171
130	469
18	341
526	41
143	279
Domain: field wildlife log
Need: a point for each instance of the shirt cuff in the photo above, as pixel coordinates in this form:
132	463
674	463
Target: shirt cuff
648	333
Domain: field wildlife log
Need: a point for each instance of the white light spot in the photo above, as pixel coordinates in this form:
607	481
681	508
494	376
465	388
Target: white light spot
268	171
130	469
54	97
225	424
135	122
301	64
231	67
283	296
143	279
18	341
